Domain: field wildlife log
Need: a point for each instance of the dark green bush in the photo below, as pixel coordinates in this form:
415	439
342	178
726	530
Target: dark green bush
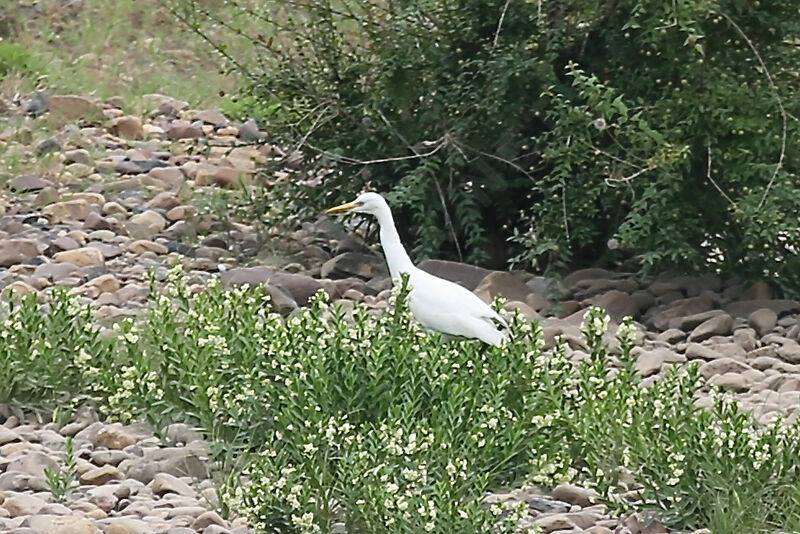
667	127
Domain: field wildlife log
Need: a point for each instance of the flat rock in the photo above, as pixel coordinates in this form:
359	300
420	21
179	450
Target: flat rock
364	266
763	320
68	210
696	351
745	338
7	435
585	274
26	183
80	257
113	436
744	308
71	107
100	475
719	325
680	308
723	365
140	246
575	494
32	463
502	283
14	251
463	274
127	126
21	504
165	483
618	304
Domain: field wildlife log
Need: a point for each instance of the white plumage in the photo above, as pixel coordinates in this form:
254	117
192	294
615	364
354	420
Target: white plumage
436	303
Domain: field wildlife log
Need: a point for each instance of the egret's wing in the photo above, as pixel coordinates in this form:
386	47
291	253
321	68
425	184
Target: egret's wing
450	308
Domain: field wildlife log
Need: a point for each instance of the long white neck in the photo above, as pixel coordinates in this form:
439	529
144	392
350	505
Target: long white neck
396	256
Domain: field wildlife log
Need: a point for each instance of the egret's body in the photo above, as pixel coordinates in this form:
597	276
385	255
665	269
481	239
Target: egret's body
436	303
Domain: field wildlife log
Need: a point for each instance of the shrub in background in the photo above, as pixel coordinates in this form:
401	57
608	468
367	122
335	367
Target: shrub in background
668	127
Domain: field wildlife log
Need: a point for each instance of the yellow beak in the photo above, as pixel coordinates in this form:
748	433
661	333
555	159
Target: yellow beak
341	207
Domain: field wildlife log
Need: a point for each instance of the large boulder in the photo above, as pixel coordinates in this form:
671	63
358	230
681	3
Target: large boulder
501	283
364	266
464	274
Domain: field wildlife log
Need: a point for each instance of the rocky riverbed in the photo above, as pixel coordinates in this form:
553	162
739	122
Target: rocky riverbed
120	196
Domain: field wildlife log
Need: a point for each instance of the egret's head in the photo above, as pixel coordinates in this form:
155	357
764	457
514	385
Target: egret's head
371	203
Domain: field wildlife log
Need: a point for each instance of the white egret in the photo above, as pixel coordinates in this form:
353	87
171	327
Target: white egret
436	303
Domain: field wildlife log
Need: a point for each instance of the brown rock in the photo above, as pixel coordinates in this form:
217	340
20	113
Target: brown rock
98	476
106	283
617	304
696	351
114	437
649	362
721	366
585	274
79	155
65	243
70	107
719	325
763	320
32	463
181	129
179	213
26	183
146	224
464	274
127	126
744	308
14	251
221	176
730	381
528	312
165	200
143	245
680	308
745	338
757	291
577	495
165	483
82	257
68	210
661	288
353	264
20	504
169	175
502	283
211	116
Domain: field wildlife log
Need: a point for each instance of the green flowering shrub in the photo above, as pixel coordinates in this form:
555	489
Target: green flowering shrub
666	128
370	424
46	350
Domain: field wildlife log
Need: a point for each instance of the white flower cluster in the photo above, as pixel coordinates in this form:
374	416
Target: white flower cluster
595	323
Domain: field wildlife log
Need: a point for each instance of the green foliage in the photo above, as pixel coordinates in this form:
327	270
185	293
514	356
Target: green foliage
15	58
62	480
42	355
371	424
669	127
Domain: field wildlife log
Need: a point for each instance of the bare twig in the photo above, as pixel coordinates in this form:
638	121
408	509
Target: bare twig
627	179
316	124
438	145
710	179
498	158
564	208
500	23
777	98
